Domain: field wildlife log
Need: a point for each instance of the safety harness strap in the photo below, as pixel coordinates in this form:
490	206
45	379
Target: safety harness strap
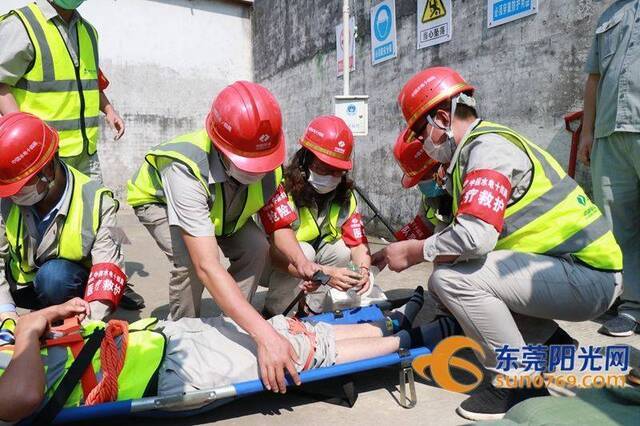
83	361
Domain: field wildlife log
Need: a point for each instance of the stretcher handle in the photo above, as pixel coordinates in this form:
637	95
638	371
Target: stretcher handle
319	277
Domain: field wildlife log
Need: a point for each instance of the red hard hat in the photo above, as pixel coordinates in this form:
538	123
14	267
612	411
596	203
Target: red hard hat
412	159
27	144
245	123
429	88
331	140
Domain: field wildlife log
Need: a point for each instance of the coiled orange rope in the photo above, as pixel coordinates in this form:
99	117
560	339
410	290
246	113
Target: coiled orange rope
112	362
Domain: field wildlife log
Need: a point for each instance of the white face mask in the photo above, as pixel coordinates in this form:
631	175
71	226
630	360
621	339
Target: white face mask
442	153
323	184
29	195
243	177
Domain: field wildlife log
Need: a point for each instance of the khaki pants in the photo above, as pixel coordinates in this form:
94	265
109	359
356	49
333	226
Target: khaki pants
247	251
505	295
615	169
213	352
283	288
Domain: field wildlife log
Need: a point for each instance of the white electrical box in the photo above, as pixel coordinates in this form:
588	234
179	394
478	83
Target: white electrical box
354	110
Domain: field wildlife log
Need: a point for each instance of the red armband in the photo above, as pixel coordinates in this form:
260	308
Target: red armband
353	231
277	213
485	194
417	229
103	83
106	283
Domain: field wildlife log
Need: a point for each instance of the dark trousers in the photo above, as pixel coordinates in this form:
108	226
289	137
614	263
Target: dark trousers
56	281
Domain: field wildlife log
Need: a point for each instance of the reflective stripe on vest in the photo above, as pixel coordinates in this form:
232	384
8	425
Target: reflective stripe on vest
554	216
307	228
78	231
193	151
145	353
65	96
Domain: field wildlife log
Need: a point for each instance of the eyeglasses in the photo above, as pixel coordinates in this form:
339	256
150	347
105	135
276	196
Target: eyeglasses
41	175
325	169
420	126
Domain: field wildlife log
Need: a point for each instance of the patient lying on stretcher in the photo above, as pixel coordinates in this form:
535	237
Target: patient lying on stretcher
151	357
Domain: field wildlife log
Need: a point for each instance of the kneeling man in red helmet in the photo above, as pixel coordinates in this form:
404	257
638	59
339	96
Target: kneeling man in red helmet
58	225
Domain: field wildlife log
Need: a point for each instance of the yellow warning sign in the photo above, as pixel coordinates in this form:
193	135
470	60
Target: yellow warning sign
433	9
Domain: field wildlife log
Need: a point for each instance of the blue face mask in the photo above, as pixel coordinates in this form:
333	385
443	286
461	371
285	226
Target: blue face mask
68	4
430	189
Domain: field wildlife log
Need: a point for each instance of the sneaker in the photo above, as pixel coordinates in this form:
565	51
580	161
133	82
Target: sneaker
620	326
492	403
131	300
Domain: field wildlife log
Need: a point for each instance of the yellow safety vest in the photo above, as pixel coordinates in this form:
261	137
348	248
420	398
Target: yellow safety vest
78	232
330	230
554	216
193	151
65	96
145	353
430	213
145	187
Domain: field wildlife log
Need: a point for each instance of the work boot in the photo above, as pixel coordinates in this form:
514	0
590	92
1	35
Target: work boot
131	300
561	337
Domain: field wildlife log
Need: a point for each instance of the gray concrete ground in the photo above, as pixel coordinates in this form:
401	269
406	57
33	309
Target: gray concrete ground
378	390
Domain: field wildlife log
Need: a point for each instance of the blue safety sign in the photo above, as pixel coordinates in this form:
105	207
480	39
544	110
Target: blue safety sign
384	45
502	11
382	22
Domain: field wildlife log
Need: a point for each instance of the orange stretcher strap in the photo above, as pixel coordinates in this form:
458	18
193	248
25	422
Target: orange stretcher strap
69	334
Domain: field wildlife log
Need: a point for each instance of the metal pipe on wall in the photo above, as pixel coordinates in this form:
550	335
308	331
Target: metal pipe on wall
346	33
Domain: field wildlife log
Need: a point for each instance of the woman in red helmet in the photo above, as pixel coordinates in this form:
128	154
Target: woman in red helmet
525	246
329	227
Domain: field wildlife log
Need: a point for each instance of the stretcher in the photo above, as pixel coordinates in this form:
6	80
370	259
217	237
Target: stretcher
166	405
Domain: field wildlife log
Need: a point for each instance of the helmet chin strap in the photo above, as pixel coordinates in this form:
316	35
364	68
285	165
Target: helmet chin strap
454	106
51	182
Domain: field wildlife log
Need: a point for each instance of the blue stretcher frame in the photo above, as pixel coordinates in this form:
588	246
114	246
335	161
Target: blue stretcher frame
158	406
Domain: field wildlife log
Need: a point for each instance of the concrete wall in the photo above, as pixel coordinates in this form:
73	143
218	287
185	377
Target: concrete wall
166	59
528	74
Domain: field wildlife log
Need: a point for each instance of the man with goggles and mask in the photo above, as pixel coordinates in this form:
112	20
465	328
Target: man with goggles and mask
526	245
419	169
199	192
58	225
329	227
